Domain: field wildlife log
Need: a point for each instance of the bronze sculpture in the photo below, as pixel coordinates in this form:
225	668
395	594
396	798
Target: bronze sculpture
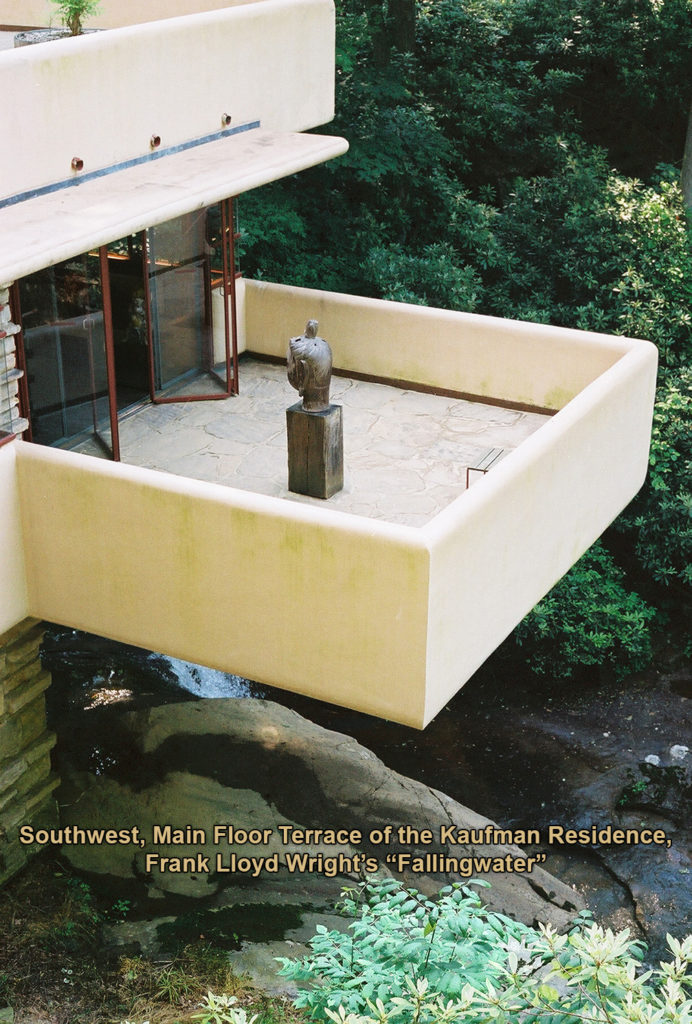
310	368
314	428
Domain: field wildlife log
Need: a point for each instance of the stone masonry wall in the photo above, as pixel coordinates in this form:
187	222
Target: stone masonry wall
26	781
11	422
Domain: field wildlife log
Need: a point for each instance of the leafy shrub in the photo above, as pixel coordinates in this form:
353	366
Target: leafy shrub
652	297
660	518
404	951
221	1009
398	934
588	618
432	279
589	976
586	247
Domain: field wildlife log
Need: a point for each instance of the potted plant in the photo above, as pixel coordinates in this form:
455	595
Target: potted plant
73	12
72	15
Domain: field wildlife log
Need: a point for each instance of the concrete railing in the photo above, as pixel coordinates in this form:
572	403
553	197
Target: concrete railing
303	598
14	598
485	357
500	547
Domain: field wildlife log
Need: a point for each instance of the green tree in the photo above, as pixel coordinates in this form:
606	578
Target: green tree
587	247
659	520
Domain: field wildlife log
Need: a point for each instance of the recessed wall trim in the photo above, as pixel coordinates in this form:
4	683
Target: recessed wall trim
103	172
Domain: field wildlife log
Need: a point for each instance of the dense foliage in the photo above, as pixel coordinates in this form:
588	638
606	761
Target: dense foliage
520	158
660	518
589	618
406	958
397	934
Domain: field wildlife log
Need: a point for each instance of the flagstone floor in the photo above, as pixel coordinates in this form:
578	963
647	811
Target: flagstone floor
405	452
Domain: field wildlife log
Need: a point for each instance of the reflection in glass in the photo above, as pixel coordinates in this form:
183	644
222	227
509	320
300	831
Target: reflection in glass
185	282
180	319
216	238
128	304
63	328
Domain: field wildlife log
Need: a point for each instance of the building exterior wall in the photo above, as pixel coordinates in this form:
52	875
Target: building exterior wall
11	421
9	389
271	61
14	599
26	780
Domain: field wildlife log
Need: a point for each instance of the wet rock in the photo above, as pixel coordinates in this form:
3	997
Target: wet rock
253	926
532	753
527	754
253	765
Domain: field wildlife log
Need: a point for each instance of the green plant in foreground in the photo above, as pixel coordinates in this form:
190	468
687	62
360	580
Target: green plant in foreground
119	910
398	935
405	964
73	13
174	984
222	1010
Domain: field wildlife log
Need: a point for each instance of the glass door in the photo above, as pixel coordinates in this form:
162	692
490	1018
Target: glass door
65	318
152	315
129	320
187	301
222	234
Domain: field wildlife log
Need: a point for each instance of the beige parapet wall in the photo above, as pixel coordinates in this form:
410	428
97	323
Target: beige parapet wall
110	13
387	619
303	598
102	97
505	360
502	545
498	549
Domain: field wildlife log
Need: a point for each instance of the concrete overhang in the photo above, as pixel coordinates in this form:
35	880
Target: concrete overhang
116	131
68	218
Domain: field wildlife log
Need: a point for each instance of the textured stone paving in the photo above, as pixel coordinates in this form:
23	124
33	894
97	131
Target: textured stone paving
405	453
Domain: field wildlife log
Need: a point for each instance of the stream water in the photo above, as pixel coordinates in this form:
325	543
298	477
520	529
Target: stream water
523	754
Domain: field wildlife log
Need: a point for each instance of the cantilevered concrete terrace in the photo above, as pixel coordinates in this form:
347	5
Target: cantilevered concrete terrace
386	617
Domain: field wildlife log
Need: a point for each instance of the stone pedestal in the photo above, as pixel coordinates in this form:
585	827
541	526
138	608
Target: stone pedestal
315	451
